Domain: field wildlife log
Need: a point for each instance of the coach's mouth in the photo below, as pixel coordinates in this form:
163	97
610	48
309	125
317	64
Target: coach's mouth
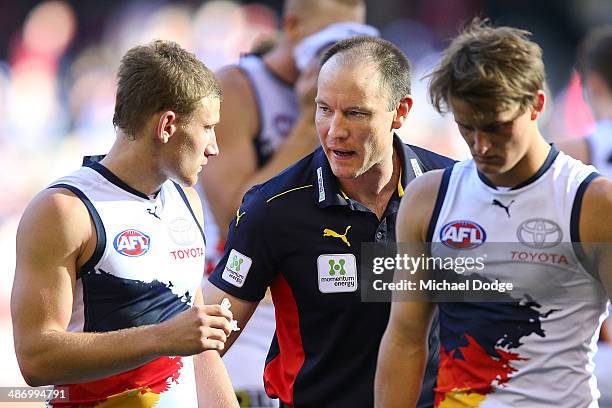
342	154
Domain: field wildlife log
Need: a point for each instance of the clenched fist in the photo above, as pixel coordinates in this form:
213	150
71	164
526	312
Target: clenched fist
195	330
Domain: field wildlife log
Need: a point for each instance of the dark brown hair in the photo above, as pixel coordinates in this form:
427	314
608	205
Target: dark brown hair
156	77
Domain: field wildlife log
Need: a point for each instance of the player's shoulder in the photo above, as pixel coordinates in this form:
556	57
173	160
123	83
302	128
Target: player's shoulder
430	160
597	200
425	188
233	79
56	212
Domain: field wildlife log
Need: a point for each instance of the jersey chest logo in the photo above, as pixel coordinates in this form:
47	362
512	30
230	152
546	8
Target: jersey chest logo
331	233
132	243
337	273
462	235
539	233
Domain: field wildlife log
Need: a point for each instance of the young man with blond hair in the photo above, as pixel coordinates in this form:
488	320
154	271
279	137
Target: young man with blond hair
517	196
106	300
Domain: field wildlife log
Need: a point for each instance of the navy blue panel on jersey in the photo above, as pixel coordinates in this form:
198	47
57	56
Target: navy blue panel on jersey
114	303
439	201
290	232
99	226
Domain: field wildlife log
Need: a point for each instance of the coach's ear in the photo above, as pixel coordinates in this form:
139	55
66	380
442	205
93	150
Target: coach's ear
401	112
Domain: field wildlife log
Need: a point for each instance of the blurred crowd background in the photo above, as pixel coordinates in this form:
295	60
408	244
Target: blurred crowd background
57	79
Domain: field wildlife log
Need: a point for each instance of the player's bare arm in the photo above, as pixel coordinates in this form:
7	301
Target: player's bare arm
596	229
213	384
42	297
242	310
403	350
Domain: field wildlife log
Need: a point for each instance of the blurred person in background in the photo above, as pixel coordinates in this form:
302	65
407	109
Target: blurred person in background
595	67
106	300
267	124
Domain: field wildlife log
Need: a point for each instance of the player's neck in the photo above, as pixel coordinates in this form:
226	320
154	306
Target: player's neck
134	165
528	166
280	61
375	187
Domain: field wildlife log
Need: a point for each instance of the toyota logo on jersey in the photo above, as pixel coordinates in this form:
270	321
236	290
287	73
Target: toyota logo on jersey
462	235
132	243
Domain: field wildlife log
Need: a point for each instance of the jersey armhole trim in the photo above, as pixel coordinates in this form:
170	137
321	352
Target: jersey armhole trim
99	226
439	201
186	200
575	221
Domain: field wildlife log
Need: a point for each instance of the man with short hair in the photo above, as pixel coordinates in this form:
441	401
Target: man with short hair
267	124
532	347
300	233
106	300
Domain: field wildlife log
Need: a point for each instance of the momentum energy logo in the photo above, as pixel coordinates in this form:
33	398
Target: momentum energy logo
132	243
236	268
462	235
337	273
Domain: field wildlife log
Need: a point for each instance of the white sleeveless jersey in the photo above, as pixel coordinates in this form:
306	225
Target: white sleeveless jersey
147	265
277	104
535	350
600	147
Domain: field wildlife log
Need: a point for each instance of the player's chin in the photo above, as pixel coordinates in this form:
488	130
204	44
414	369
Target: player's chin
491	168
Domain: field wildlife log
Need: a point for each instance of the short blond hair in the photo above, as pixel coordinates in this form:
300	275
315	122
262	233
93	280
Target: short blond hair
156	77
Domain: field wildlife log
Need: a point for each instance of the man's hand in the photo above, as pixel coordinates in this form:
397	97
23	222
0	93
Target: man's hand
196	330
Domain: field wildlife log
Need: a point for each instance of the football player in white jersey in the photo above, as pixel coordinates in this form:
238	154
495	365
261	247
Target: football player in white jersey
492	80
167	106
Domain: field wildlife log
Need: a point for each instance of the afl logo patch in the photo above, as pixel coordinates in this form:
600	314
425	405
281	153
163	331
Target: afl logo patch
132	243
462	235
